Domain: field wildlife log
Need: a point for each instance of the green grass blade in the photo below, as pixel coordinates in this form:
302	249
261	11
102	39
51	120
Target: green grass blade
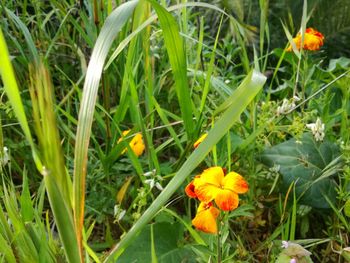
109	31
177	58
27	35
64	220
12	92
293	222
242	96
210	70
153	249
6	251
57	181
166	122
27	209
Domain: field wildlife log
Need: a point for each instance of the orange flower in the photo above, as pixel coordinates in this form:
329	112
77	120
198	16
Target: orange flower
313	40
212	184
205	219
200	140
190	190
136	143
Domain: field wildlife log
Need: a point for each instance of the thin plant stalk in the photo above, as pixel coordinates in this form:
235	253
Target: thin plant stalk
218	251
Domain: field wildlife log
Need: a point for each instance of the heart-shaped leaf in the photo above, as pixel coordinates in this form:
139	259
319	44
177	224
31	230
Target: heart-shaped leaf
311	165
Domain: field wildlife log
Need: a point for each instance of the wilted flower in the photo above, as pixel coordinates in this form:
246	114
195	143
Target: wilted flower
4	156
205	219
136	143
200	140
119	213
155	181
317	129
313	40
284	244
294	250
286	106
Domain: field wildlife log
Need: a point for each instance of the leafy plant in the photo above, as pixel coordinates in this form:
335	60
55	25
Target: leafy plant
310	165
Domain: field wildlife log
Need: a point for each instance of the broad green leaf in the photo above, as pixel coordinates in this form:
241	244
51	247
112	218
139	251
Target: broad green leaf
183	254
165	237
282	258
310	165
342	63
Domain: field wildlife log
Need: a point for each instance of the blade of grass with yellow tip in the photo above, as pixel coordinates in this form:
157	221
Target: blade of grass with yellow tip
57	181
240	99
114	23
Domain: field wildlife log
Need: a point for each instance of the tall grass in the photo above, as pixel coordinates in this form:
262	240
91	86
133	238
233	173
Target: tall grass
79	76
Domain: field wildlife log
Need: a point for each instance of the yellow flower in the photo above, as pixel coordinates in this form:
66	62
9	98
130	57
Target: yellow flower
200	140
205	219
212	184
313	40
136	144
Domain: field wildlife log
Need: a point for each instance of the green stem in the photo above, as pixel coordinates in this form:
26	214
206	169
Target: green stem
297	78
219	242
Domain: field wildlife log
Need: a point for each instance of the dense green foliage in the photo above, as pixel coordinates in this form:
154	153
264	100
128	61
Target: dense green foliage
74	75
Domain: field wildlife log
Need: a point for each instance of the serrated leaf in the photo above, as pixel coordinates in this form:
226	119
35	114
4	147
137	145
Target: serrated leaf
310	165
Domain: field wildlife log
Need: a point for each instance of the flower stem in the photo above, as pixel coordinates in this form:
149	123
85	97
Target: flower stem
297	77
219	243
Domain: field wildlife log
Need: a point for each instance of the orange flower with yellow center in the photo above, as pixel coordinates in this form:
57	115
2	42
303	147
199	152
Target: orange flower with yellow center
212	184
200	140
136	144
205	219
313	40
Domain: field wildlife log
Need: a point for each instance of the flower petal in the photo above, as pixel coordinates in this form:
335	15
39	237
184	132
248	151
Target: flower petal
189	190
208	183
205	219
205	192
226	200
212	176
313	40
236	183
297	41
137	144
200	140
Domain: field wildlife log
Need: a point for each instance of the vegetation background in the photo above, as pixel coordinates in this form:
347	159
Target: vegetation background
76	74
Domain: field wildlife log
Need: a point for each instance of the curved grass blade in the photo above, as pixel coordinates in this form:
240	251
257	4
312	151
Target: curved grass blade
27	35
242	96
114	23
151	19
177	58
